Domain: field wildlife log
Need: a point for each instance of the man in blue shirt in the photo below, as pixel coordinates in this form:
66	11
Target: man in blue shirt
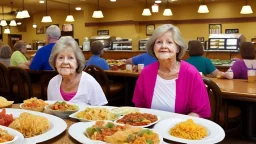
97	51
41	59
145	59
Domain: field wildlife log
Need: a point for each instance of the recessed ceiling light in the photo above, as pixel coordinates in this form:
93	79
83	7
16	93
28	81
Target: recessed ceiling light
41	1
158	1
78	8
18	23
113	0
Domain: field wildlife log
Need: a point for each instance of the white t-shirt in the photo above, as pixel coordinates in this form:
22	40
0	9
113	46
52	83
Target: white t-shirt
89	91
164	95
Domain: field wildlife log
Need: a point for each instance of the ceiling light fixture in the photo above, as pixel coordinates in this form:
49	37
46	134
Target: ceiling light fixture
167	11
69	18
34	25
13	23
113	0
46	18
3	21
23	13
41	1
246	9
146	11
78	8
7	30
155	8
18	23
203	8
98	13
158	1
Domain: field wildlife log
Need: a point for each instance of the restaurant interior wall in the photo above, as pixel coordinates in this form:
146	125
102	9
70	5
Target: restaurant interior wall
138	31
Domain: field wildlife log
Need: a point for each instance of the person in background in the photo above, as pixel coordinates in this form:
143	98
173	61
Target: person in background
171	84
18	57
41	59
248	61
145	59
97	51
5	54
203	64
72	83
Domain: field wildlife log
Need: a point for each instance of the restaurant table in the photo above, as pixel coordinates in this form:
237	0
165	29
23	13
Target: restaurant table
65	138
122	73
241	90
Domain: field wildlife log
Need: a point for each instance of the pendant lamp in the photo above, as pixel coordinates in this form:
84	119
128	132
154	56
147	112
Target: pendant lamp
46	18
69	18
7	30
146	11
203	8
23	13
167	10
3	21
246	9
98	13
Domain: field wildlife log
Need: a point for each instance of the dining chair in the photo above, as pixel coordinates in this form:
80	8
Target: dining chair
20	84
222	113
46	76
4	81
111	90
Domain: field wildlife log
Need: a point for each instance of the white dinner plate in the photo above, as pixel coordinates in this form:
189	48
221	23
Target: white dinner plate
158	119
57	125
77	132
18	137
215	132
85	120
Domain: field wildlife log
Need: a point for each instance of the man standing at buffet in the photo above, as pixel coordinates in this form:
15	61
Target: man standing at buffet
41	59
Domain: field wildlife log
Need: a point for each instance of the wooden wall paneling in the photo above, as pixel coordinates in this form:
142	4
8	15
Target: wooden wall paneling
218	55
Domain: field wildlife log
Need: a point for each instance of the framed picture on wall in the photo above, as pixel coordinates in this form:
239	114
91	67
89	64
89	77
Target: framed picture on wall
215	29
201	39
40	30
67	27
150	29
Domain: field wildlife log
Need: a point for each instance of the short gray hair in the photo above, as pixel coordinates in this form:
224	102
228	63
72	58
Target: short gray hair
53	31
64	43
176	36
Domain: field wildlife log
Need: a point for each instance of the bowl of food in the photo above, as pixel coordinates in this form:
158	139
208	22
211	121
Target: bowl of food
33	104
10	136
4	103
62	109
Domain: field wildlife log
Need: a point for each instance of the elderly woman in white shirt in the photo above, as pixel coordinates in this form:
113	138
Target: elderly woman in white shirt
72	83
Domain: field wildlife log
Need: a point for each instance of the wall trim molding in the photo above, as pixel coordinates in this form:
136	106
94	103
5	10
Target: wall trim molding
187	21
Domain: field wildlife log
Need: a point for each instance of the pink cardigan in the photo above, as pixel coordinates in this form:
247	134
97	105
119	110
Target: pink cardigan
191	94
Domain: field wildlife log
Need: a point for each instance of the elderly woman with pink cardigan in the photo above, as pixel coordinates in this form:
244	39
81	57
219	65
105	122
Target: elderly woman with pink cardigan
171	84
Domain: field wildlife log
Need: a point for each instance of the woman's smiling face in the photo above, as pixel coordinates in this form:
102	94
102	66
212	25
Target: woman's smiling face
165	47
66	63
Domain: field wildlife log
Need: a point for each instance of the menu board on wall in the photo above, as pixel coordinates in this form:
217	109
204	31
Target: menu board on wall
102	32
231	31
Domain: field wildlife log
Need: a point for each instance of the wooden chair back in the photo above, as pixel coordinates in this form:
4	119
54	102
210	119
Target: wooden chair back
4	81
215	93
20	78
100	77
